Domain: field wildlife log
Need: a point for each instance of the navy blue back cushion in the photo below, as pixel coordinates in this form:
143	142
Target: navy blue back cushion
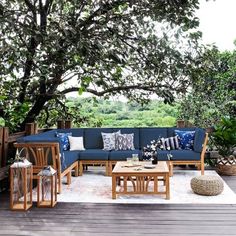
48	136
171	131
77	132
134	131
199	139
93	137
149	134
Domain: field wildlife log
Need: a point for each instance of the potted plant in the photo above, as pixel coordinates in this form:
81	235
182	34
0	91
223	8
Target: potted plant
224	139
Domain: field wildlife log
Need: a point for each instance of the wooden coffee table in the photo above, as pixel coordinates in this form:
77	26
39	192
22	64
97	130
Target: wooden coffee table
143	181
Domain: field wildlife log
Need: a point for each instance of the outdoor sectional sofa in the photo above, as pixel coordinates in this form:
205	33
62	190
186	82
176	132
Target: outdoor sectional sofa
94	153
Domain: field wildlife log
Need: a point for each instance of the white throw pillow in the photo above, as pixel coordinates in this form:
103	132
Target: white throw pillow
76	143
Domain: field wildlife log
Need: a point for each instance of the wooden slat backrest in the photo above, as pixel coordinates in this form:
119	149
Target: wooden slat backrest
41	155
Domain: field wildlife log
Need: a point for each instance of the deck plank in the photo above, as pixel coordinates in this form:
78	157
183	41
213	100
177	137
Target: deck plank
121	219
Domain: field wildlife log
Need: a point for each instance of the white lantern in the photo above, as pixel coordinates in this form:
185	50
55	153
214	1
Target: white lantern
47	187
21	177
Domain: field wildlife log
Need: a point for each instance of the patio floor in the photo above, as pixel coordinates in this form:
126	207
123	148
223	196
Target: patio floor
120	219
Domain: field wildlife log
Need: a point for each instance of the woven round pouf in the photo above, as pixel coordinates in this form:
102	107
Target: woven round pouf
207	185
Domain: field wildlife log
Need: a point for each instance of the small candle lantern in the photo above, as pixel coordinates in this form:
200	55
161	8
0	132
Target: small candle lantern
47	187
21	177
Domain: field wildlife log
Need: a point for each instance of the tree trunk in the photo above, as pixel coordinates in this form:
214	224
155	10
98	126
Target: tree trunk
35	111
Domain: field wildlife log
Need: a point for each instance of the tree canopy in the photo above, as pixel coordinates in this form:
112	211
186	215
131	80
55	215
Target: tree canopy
213	94
134	48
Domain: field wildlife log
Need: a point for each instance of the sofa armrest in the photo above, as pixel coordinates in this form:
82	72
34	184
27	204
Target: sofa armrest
204	147
199	140
41	154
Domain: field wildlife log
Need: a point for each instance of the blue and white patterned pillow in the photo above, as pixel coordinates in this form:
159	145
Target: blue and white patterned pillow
109	140
186	139
64	140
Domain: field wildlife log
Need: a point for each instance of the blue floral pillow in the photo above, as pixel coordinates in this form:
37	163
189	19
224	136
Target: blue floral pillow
186	139
64	140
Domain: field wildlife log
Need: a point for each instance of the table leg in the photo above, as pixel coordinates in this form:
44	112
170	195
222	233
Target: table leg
155	184
167	179
118	180
113	187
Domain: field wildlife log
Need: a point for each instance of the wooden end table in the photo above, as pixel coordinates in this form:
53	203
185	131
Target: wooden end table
140	178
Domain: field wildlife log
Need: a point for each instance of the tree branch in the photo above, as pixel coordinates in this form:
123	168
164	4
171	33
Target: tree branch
115	89
100	11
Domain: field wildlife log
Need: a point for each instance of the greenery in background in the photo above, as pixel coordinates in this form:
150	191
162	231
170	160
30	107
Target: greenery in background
90	112
111	48
213	95
224	136
2	122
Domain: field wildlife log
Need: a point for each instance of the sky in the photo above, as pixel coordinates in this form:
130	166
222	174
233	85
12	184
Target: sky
217	22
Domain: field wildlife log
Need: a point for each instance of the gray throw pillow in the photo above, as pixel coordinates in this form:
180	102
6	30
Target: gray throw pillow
109	140
124	142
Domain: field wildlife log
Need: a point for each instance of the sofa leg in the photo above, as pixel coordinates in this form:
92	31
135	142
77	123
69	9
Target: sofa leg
171	168
202	168
110	169
68	178
80	168
107	168
77	170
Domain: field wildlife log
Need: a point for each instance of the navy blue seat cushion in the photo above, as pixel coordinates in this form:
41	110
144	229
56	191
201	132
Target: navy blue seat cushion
134	131
68	158
183	155
149	134
93	137
199	139
94	154
162	155
122	155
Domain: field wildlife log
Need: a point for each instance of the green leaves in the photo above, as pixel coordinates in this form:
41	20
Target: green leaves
213	94
134	48
224	136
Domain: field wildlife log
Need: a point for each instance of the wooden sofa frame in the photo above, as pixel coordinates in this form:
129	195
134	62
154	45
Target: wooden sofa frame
199	164
83	163
40	153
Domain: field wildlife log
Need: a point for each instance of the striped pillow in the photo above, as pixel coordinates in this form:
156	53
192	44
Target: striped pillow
170	143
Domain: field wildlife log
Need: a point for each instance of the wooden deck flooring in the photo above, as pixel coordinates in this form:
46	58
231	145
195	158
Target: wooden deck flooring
120	219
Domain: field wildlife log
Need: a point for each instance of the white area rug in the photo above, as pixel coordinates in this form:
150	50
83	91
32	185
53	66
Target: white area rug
96	188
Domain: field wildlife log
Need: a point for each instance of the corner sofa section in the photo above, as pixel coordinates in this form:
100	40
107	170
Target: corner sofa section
94	153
